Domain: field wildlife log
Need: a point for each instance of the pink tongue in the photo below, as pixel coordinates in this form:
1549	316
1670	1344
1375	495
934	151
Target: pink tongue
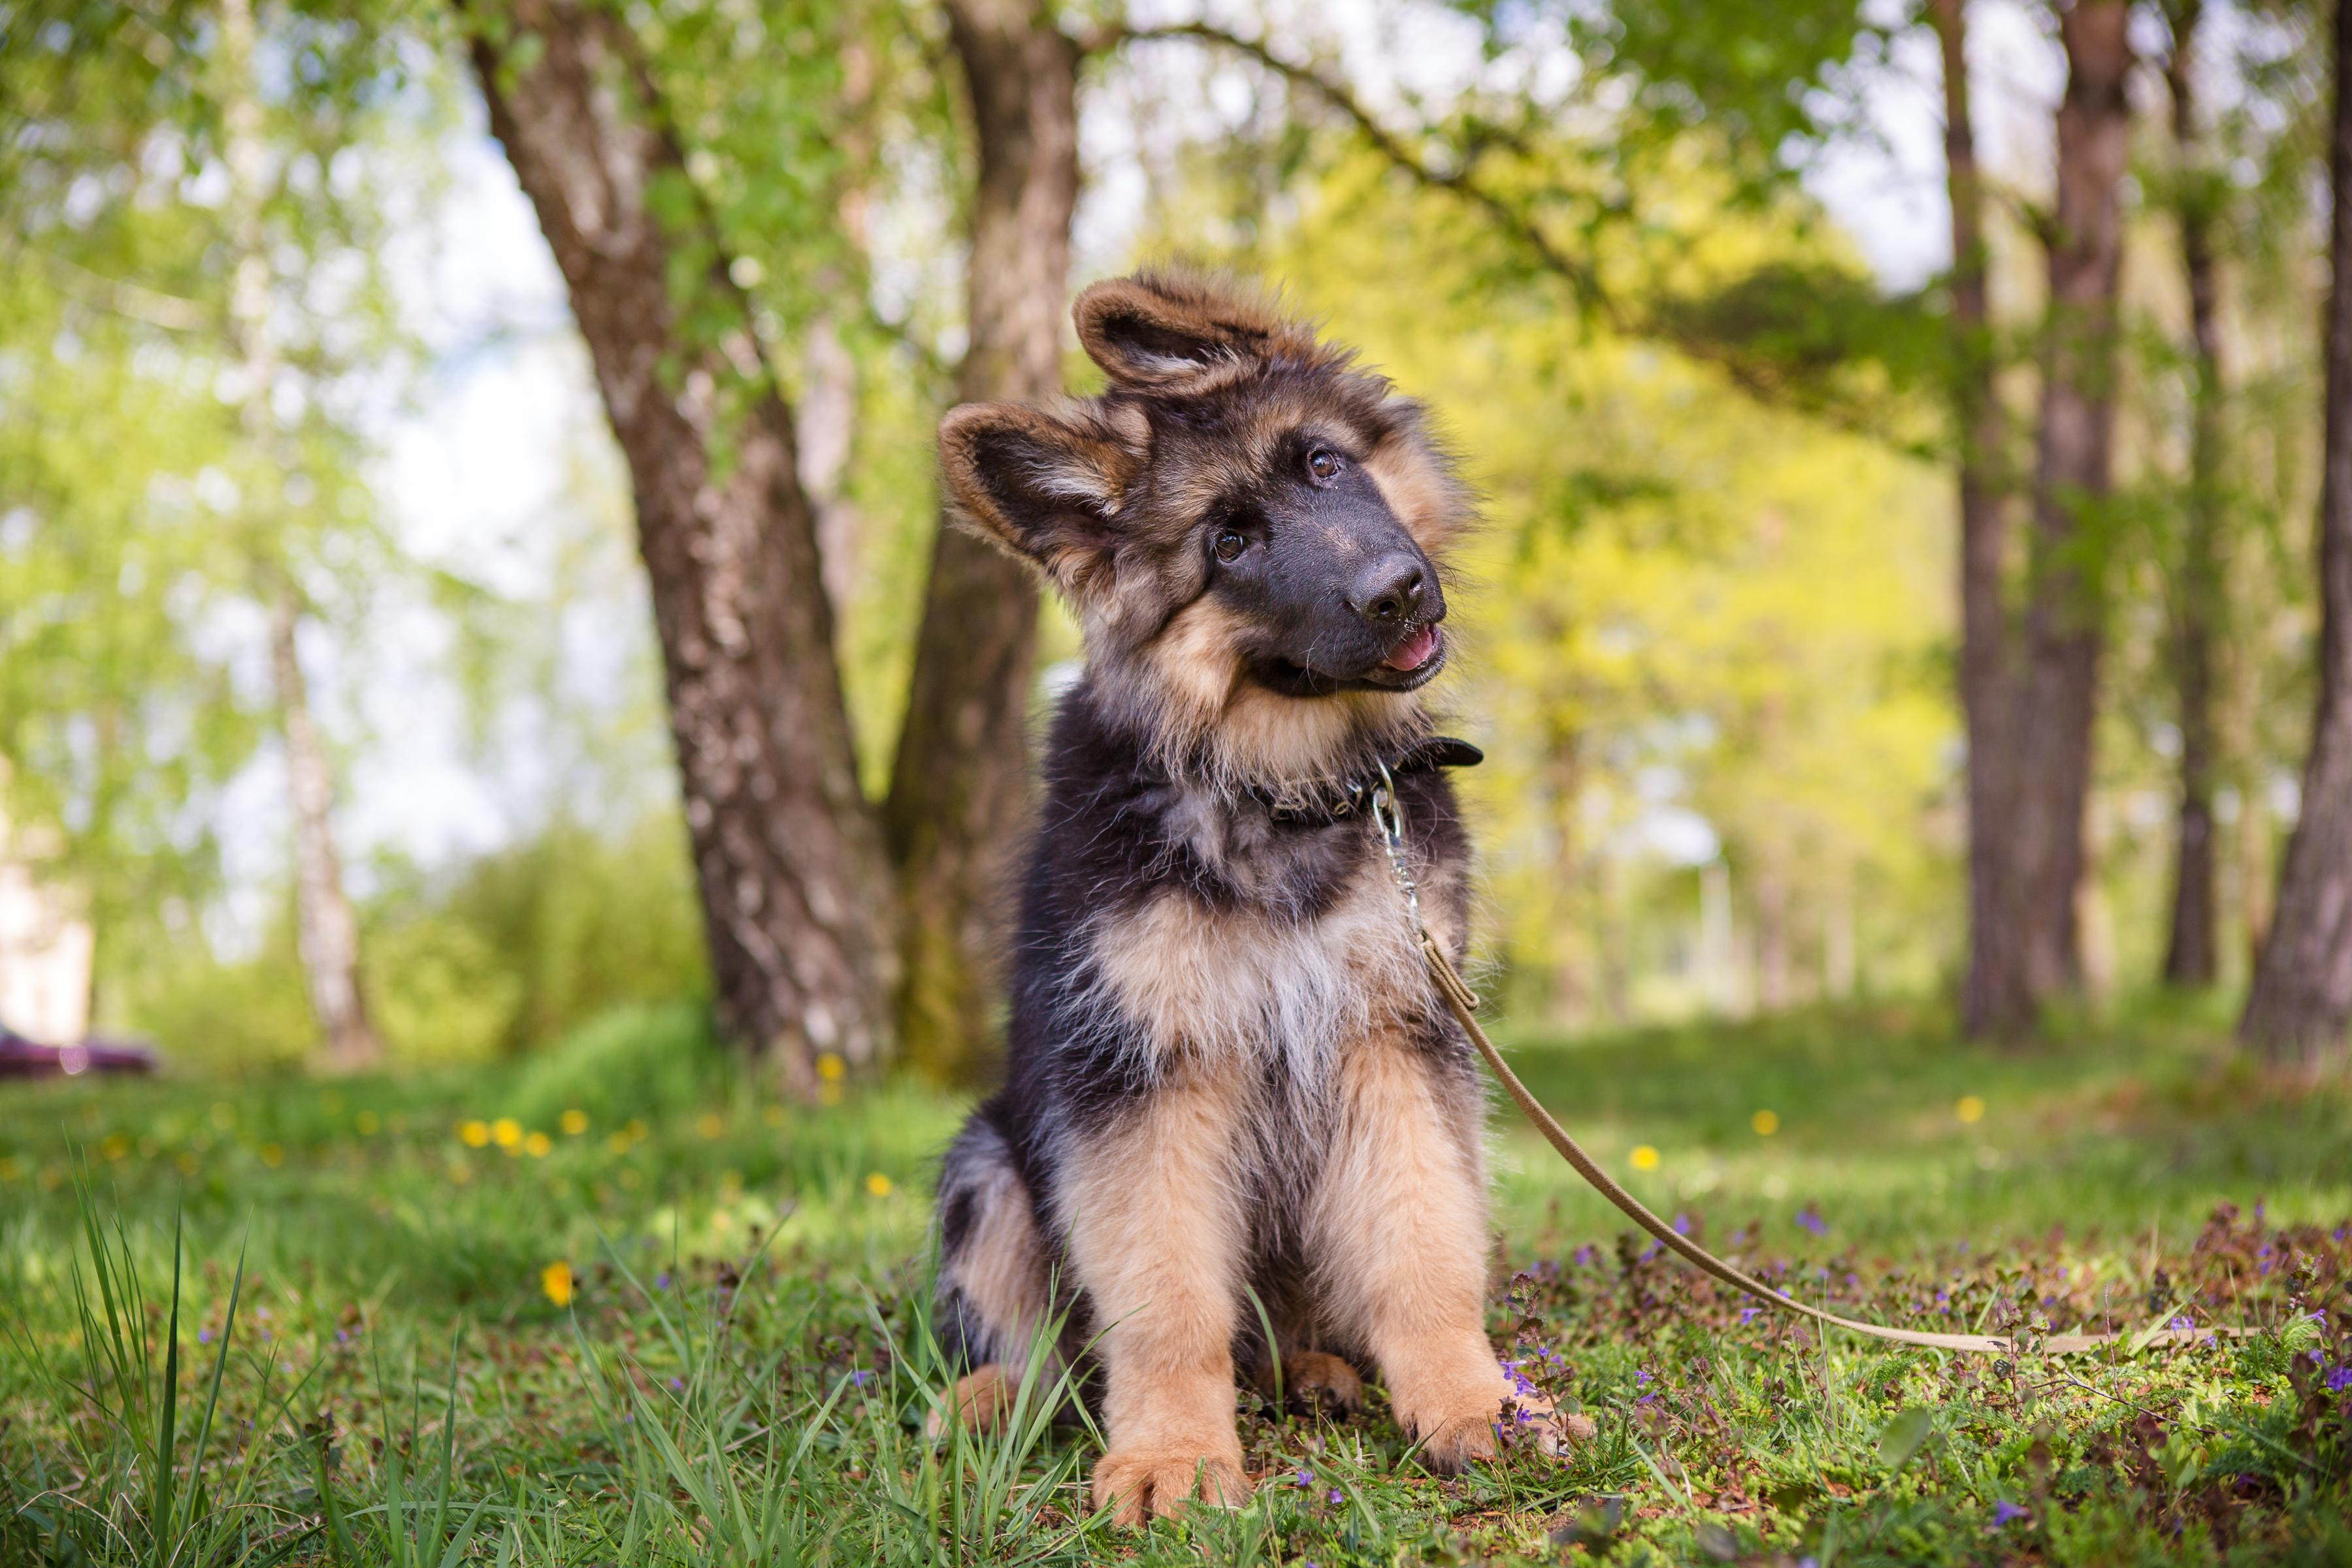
1415	650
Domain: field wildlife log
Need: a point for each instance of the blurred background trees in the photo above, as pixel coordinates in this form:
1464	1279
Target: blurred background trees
466	465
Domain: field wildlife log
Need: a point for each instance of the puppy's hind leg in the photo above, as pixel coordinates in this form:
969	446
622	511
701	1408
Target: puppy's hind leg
994	1286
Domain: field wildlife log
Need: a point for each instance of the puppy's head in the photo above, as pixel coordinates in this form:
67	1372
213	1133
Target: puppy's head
1247	524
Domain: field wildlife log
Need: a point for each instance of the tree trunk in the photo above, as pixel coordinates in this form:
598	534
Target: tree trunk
2063	634
2302	997
2192	957
959	785
326	929
1994	997
794	886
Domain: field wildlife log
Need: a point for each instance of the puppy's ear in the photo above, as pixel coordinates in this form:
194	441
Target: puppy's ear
1174	333
1040	487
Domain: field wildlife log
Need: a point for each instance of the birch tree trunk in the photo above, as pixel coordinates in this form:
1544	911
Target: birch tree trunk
2302	996
327	933
959	788
795	890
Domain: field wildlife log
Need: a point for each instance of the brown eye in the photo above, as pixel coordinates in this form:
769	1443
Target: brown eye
1323	463
1231	543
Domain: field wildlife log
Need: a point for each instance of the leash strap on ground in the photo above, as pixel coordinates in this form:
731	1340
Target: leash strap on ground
1388	817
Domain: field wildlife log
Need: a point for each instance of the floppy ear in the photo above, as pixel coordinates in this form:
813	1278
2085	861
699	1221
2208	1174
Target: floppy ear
1040	488
1167	333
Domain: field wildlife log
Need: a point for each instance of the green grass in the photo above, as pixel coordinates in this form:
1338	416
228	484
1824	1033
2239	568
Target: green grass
313	1323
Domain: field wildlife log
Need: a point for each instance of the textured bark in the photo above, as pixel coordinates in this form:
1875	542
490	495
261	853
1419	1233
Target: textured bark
2063	632
326	928
1995	986
2192	956
794	886
959	788
2031	699
2302	996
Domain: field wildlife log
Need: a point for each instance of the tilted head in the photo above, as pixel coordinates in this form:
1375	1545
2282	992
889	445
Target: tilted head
1250	527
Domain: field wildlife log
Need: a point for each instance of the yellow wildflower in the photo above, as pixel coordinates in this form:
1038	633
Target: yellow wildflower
1766	1123
831	1067
878	1184
1645	1158
11	1167
1971	1108
635	1128
537	1145
556	1280
710	1124
573	1122
618	1143
115	1146
272	1155
367	1121
828	1094
506	1132
773	1116
474	1134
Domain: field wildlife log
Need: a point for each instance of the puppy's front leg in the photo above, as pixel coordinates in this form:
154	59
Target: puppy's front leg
1156	1239
1399	1237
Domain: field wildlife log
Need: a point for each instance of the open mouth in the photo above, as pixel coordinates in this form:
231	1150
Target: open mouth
1416	650
1412	662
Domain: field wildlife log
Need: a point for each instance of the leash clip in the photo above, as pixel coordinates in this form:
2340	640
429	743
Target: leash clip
1387	815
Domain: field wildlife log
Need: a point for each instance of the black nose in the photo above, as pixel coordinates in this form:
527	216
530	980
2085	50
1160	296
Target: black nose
1391	589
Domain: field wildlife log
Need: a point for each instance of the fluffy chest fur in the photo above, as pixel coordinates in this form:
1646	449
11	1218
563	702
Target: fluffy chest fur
1171	929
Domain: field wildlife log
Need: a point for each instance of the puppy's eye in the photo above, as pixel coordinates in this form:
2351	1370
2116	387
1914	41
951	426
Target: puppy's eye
1231	543
1323	463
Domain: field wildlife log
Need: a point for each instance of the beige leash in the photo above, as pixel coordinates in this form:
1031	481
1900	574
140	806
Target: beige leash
1463	1004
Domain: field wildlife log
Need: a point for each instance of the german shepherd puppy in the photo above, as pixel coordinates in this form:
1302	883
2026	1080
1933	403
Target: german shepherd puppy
1229	1072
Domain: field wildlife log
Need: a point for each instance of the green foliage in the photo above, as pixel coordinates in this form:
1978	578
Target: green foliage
654	1062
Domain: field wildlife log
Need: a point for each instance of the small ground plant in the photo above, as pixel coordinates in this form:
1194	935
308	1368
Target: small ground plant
541	1319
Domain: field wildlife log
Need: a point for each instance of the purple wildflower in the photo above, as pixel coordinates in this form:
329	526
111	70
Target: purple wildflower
1306	1479
1682	1225
1809	1218
2005	1513
1337	1497
661	1281
2339	1379
1749	1314
205	1337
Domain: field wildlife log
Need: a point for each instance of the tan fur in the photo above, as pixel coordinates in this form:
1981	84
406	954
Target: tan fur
1234	732
1397	1229
1003	1270
1316	1376
1238	324
1155	1231
1426	500
981	1401
1218	986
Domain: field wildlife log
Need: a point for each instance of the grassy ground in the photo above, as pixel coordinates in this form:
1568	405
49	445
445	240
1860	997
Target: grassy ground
653	1318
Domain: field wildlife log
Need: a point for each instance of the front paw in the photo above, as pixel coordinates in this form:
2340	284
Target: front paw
1159	1483
1477	1418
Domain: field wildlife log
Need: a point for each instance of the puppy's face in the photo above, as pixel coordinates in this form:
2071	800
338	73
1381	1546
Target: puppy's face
1243	510
1324	589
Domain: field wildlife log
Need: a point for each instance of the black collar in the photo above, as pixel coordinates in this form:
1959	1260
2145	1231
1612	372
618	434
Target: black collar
1325	802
